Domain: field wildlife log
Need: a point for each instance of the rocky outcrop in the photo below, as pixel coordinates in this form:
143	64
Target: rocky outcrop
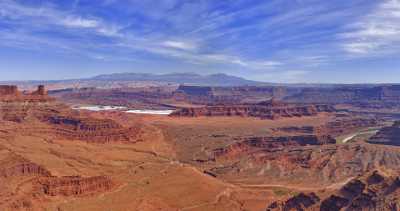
24	184
13	166
195	90
345	125
73	185
56	119
387	135
342	126
149	97
338	126
89	129
15	106
9	90
299	202
294	129
40	91
247	145
316	165
347	94
10	93
228	95
368	193
334	128
264	110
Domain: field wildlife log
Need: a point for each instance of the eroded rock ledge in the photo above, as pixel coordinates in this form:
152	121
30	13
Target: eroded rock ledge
387	135
73	185
265	110
372	192
44	115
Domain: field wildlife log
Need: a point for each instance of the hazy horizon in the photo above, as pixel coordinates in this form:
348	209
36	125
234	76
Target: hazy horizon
302	41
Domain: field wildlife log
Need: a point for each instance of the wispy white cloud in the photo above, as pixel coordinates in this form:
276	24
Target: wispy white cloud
80	22
179	45
46	17
265	36
378	33
184	50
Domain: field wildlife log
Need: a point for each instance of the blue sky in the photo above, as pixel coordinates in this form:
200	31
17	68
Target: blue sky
269	40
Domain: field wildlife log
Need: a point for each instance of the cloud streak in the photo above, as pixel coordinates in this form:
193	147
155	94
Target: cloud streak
247	36
376	33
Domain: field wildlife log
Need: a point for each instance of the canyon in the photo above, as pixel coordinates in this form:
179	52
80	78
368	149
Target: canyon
231	148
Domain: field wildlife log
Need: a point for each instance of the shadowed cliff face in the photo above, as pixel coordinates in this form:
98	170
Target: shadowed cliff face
370	193
311	160
384	94
387	135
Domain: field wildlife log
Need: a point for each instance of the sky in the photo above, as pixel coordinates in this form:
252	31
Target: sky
311	41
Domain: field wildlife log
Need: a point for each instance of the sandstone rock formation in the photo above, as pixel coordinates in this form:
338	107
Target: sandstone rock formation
24	183
387	135
9	90
73	185
300	202
89	129
48	116
208	95
148	97
347	94
10	93
264	110
318	165
345	125
12	165
247	145
362	98
370	193
338	126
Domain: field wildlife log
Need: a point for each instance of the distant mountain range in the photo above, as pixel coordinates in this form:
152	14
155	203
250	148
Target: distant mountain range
127	80
219	79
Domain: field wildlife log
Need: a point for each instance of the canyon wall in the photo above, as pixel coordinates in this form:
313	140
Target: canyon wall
375	191
73	185
264	110
50	117
387	136
10	93
347	94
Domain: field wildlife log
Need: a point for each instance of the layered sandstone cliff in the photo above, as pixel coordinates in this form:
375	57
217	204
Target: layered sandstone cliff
47	116
313	165
372	192
12	165
334	127
265	110
387	135
73	185
89	129
254	144
25	184
10	93
228	95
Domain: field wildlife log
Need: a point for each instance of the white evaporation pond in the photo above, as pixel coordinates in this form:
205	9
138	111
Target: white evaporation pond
100	108
155	112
